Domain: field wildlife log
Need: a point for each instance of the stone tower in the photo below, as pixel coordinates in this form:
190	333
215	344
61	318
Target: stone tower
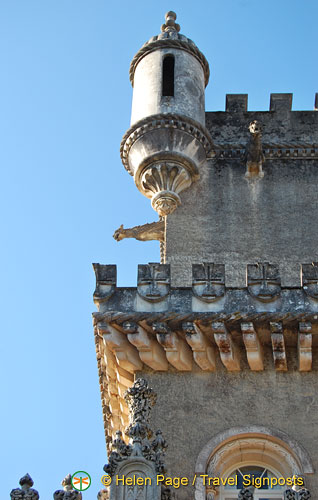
224	328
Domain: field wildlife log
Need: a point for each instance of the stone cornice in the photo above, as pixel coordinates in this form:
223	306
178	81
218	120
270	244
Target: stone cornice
163	121
292	151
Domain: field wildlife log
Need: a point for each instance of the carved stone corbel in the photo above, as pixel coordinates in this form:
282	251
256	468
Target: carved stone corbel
177	350
150	352
309	279
228	351
305	347
126	355
253	347
208	281
278	345
203	350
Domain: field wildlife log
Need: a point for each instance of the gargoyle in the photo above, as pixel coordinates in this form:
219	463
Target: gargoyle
146	232
254	155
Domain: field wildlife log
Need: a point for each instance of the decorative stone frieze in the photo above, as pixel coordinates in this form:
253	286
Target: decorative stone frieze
203	350
177	350
228	351
68	492
293	151
278	345
106	280
153	281
253	347
305	346
150	352
208	281
26	491
309	276
263	281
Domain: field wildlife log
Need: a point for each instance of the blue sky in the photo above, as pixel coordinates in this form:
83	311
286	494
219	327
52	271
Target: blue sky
65	101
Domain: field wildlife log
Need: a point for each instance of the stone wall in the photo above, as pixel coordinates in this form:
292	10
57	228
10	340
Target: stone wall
228	218
193	407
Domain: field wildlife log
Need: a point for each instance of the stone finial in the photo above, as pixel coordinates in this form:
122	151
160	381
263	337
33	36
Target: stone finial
26	490
170	24
140	399
68	492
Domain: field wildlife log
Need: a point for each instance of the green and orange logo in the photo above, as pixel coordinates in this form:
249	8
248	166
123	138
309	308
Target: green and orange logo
81	480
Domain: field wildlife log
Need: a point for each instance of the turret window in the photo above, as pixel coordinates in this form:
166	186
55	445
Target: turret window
168	76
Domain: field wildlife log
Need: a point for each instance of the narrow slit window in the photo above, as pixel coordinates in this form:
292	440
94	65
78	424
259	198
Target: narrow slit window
168	76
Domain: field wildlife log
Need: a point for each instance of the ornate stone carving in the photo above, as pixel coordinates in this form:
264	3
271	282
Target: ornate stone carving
309	274
153	281
254	152
26	492
263	281
68	493
208	281
145	232
245	494
106	279
163	181
140	399
170	24
103	494
292	494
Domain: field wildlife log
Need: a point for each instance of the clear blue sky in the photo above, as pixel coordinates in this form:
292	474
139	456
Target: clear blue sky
65	100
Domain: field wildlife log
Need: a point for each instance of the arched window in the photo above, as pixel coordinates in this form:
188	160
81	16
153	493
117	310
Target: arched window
261	480
168	76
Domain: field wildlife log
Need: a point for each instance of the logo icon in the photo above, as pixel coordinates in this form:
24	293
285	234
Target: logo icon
81	480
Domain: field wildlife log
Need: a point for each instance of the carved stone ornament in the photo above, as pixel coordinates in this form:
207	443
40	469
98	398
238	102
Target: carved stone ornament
263	281
309	274
163	182
106	279
254	152
26	492
145	232
245	494
208	281
153	281
140	399
302	494
68	492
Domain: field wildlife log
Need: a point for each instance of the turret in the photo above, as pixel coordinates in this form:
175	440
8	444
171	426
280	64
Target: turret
167	141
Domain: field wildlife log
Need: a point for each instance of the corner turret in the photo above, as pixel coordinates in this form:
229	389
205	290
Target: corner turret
167	142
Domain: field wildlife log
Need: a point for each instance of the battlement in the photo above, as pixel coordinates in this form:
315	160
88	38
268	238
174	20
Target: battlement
237	103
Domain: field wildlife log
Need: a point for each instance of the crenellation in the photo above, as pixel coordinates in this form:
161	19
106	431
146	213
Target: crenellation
281	102
236	103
